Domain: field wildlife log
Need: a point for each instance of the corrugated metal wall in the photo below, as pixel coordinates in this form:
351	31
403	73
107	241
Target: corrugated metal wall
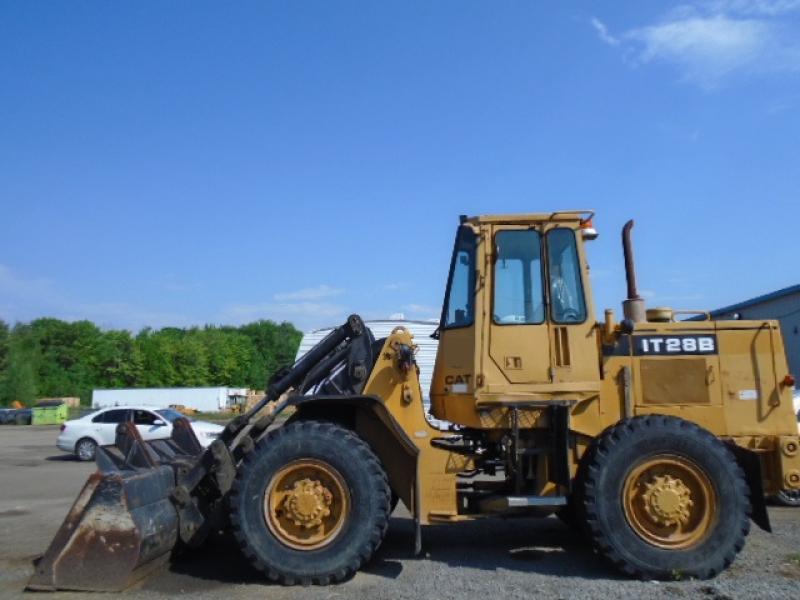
422	330
785	309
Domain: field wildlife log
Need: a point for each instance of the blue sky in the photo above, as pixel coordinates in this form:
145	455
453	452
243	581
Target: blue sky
177	163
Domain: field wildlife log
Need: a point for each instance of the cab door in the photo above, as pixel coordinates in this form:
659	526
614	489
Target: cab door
519	344
573	340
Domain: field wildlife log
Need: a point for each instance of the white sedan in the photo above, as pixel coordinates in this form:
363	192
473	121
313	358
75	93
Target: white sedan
82	436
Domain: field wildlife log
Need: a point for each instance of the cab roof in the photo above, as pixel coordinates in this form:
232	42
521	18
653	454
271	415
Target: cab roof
523	218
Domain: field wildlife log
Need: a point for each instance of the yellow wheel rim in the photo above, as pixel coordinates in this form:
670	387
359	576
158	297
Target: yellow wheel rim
306	504
670	502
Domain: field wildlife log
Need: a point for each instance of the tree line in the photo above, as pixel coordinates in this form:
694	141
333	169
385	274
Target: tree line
54	358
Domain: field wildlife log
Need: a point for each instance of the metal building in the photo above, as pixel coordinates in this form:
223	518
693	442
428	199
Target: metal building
782	305
421	330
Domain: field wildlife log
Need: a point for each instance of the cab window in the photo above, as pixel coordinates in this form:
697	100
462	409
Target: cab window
518	288
459	306
567	303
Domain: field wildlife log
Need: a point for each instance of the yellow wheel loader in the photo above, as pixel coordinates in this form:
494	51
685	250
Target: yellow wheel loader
658	436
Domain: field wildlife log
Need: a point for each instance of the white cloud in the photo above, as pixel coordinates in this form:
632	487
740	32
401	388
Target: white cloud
393	287
707	49
423	311
315	293
12	284
771	8
602	32
27	298
304	315
122	315
710	41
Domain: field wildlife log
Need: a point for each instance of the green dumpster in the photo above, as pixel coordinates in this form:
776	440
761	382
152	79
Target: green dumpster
49	413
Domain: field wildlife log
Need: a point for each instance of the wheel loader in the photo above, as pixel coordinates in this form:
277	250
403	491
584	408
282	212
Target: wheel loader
657	436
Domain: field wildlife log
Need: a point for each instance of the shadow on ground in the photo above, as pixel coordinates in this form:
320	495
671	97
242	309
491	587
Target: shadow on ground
63	458
544	546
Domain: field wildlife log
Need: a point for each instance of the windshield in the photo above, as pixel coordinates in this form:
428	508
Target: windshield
170	415
459	302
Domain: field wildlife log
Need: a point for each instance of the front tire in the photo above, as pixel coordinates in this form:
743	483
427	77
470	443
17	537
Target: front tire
665	499
310	504
85	449
788	497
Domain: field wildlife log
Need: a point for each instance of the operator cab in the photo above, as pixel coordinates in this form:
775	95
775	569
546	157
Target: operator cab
516	314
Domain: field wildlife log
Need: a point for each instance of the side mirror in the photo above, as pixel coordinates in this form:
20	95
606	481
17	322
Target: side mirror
159	423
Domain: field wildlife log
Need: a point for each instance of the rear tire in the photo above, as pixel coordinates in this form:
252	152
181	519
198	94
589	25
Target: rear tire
310	504
788	497
85	449
665	499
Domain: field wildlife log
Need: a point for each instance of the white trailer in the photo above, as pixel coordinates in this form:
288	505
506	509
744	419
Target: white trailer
204	399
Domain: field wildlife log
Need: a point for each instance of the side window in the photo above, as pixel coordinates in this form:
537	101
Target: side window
143	417
460	301
101	418
566	289
518	289
116	416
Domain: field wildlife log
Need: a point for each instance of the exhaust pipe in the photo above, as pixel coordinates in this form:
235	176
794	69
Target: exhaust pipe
633	307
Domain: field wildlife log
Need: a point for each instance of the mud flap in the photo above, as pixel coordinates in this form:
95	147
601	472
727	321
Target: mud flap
751	465
122	525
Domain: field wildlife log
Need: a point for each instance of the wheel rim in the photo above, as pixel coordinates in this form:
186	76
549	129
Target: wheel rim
670	502
790	496
86	450
306	504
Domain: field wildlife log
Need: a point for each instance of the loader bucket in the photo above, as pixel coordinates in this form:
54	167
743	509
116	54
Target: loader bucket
122	525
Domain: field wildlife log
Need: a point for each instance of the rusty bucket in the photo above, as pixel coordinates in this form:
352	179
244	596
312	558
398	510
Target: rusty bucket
124	523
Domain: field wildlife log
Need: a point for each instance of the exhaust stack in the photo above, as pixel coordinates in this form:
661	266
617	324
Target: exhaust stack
633	307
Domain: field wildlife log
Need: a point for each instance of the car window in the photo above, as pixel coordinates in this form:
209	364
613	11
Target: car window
144	417
171	415
117	415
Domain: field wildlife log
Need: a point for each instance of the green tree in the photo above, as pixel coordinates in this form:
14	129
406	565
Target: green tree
18	380
50	357
5	337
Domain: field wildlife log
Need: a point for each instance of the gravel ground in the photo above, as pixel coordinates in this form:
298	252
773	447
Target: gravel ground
517	558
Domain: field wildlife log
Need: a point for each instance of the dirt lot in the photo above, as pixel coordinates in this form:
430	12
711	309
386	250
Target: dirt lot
482	560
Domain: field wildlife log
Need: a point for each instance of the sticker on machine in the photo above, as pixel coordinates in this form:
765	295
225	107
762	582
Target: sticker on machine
748	394
675	345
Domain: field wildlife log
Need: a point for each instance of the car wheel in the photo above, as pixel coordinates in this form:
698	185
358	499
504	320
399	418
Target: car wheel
85	449
788	497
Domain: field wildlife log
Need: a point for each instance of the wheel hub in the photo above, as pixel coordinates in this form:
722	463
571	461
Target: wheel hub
667	501
670	502
308	503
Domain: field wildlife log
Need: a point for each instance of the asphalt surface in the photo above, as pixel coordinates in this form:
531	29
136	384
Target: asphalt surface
488	559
